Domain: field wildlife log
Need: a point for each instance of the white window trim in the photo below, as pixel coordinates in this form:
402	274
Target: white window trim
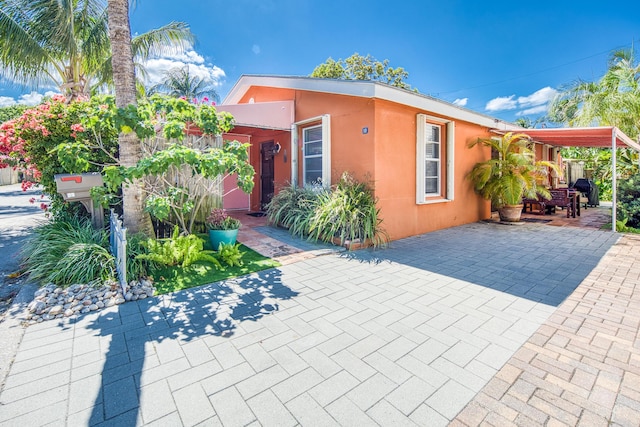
325	121
449	130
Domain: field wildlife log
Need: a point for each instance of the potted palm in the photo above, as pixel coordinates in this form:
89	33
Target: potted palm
510	175
222	228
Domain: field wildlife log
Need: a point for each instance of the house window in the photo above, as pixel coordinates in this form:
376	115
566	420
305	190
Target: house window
434	159
312	155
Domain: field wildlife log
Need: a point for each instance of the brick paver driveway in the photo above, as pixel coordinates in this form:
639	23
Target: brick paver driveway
402	336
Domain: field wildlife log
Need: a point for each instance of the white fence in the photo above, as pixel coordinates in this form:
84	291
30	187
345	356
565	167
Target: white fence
118	241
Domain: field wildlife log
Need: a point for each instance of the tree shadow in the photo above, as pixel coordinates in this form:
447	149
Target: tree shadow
541	263
211	310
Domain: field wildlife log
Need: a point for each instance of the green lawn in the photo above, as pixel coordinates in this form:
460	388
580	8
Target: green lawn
170	279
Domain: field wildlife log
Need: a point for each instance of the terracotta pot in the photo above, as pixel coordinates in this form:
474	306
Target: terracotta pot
510	213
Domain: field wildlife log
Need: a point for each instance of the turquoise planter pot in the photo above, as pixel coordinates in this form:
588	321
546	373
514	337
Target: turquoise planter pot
222	236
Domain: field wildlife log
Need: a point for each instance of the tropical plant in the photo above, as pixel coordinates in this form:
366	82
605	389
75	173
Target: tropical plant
81	136
178	250
348	212
138	267
67	250
134	215
11	112
358	67
629	201
179	82
292	207
512	174
230	254
614	100
219	219
67	44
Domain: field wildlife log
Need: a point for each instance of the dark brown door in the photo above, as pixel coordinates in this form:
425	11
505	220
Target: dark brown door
266	172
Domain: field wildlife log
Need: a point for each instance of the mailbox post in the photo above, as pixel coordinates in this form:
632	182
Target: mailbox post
77	188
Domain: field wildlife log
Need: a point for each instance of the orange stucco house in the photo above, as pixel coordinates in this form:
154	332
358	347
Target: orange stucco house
412	147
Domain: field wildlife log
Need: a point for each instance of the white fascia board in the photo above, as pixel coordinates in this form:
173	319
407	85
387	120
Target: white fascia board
366	89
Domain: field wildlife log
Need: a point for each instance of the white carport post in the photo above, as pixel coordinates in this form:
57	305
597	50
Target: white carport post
614	179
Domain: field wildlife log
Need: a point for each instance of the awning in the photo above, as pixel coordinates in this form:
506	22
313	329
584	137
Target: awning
276	115
601	137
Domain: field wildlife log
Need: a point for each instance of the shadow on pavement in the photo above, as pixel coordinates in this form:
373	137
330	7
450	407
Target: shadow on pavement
148	332
537	262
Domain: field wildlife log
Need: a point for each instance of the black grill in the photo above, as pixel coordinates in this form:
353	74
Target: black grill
589	189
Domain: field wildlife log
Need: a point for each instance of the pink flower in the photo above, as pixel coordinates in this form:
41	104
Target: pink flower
205	99
77	127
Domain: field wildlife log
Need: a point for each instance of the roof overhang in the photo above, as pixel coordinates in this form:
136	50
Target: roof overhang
601	137
277	115
365	89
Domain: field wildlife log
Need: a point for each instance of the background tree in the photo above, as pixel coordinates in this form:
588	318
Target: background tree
179	82
66	43
614	100
124	80
358	67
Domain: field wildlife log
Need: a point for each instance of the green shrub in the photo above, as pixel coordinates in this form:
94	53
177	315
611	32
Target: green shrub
138	267
348	212
84	263
293	208
178	250
230	254
629	201
60	251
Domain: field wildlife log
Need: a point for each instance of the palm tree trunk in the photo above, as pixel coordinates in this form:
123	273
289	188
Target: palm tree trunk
134	216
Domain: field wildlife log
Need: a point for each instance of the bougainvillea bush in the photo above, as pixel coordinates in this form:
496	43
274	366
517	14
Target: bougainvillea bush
82	136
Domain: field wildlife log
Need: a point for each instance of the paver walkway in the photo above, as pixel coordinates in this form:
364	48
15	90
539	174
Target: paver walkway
582	366
404	336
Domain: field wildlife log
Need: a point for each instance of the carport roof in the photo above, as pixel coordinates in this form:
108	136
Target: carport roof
581	137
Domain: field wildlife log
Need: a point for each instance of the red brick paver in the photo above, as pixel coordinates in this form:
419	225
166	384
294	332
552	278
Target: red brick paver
582	366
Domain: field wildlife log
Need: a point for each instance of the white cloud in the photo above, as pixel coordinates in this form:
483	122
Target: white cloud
157	67
536	103
33	98
502	103
535	110
539	97
255	49
461	102
6	101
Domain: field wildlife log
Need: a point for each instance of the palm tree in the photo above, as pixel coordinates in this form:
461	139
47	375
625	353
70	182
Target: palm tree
614	100
180	82
124	79
66	43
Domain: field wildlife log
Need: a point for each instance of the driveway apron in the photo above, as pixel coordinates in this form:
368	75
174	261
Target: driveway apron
407	335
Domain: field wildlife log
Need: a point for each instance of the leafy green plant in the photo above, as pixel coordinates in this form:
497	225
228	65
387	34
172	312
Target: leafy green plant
348	212
178	250
512	174
84	263
293	208
62	251
219	219
629	201
230	254
138	267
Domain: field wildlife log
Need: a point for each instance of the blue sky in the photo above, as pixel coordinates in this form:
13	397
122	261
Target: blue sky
502	58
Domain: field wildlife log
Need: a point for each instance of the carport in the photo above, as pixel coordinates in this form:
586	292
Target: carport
598	137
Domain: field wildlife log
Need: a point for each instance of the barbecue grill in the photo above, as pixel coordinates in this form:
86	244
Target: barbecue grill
589	189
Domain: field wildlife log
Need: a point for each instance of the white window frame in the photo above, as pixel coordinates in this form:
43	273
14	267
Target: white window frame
424	123
296	130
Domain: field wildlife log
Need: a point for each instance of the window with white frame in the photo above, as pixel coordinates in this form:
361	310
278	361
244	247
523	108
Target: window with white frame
434	157
312	155
432	160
